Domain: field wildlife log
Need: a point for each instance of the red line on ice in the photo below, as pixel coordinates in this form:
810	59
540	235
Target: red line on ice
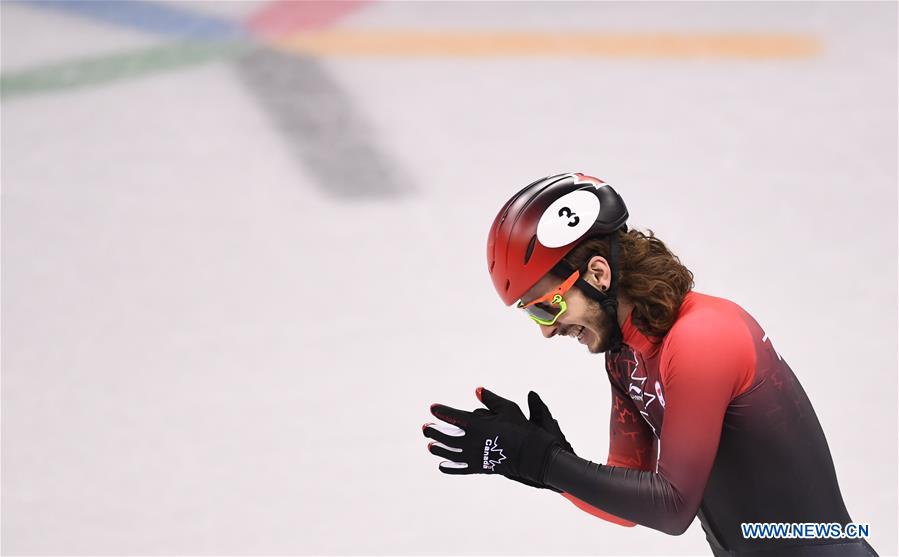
284	17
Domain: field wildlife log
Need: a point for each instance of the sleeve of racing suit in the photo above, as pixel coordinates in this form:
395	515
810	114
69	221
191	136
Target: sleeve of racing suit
631	444
707	361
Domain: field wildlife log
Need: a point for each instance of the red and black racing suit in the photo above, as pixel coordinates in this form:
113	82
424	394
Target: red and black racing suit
710	421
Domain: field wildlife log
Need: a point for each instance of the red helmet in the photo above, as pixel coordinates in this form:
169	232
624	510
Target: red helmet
543	222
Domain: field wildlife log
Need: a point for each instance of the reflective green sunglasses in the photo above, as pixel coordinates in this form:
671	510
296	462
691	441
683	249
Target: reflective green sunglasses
547	309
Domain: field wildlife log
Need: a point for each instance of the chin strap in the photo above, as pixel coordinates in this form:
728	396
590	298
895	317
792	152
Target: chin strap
607	300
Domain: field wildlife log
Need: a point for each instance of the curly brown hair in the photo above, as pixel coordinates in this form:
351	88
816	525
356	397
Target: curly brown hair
652	278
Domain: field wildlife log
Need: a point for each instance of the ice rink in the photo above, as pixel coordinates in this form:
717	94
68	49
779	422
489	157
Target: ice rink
243	251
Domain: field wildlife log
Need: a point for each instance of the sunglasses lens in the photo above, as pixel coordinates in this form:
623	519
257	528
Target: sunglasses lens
540	314
547	313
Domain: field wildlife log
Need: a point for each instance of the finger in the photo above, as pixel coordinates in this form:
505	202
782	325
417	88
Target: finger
492	400
451	415
446	451
541	416
446	429
444	433
539	413
456	468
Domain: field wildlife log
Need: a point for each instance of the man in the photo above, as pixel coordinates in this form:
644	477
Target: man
706	417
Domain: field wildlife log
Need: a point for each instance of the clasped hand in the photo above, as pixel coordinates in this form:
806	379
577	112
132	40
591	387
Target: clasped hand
497	439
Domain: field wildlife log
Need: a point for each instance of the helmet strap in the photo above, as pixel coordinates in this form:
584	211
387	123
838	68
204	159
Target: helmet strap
608	300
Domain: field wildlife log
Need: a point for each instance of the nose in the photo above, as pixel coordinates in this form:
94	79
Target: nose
549	331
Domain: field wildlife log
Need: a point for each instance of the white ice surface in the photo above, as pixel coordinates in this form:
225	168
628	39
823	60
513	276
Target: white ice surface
202	353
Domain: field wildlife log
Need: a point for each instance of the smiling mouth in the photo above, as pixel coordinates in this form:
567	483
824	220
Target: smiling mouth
576	332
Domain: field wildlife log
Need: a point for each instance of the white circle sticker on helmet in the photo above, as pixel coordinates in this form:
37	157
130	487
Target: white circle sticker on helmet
567	219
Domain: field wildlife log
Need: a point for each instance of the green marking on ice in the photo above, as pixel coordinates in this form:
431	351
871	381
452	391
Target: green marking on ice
101	69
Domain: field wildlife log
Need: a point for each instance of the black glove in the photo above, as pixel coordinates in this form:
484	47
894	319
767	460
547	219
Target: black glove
541	417
499	440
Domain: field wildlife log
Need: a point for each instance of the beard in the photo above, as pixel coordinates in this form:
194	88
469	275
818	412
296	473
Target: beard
605	325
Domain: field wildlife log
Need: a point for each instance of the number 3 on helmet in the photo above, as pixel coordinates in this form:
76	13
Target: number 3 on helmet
540	224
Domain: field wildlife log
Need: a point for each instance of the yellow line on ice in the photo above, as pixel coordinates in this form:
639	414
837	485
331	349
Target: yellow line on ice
356	43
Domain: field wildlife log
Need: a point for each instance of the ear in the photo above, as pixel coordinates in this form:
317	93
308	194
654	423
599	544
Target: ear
598	272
